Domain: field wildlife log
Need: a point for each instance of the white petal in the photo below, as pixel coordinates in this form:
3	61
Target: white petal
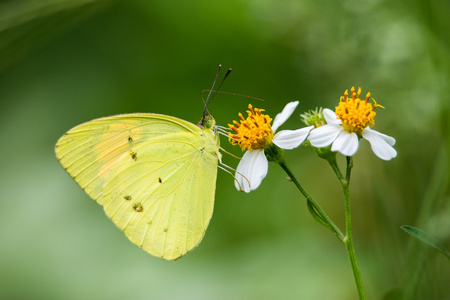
284	115
346	143
324	135
251	170
368	131
290	139
330	117
381	144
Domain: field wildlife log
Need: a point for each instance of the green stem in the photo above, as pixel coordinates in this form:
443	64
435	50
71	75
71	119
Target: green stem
349	169
348	240
336	170
310	200
323	218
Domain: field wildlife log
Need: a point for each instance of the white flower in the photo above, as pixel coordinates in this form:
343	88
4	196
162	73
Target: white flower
255	134
343	133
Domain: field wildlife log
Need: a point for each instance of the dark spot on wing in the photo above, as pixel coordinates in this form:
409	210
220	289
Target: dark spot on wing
138	207
133	155
128	197
159	179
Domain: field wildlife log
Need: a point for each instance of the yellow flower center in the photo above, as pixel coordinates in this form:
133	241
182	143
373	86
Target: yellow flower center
254	132
356	114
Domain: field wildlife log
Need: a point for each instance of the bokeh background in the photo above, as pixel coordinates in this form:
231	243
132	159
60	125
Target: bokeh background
66	62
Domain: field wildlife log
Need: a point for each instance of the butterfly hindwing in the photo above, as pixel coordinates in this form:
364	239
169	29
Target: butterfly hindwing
169	195
154	174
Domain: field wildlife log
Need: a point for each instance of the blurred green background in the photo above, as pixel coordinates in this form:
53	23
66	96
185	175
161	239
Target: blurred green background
66	62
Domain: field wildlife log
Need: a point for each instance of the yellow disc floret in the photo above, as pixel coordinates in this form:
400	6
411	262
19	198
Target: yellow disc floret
356	114
254	132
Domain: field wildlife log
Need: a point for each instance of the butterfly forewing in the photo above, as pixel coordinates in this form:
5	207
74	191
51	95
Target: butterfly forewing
89	151
154	174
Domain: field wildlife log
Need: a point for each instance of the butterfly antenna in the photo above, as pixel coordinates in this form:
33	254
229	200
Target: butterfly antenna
210	97
221	83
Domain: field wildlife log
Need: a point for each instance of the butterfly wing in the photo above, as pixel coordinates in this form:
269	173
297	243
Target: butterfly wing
155	176
89	150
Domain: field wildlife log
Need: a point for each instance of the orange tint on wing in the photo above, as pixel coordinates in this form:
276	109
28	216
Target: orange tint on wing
116	143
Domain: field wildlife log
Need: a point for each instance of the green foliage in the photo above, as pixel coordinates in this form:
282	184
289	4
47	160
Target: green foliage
25	25
426	238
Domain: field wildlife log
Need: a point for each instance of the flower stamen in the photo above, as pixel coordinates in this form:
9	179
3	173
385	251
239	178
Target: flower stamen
356	114
254	132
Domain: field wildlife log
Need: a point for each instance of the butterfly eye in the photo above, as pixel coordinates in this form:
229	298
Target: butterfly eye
209	122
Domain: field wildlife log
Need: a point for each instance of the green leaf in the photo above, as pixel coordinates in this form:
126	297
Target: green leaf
426	238
317	215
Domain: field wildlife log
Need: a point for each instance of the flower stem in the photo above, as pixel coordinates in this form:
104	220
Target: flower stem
323	218
336	170
320	216
348	240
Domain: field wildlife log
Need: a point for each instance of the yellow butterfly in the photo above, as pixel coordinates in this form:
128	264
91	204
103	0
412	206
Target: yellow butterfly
154	175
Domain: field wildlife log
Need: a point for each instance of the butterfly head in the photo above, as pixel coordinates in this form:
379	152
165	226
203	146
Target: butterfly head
207	122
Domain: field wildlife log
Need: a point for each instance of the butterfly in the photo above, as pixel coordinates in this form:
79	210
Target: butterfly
155	176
